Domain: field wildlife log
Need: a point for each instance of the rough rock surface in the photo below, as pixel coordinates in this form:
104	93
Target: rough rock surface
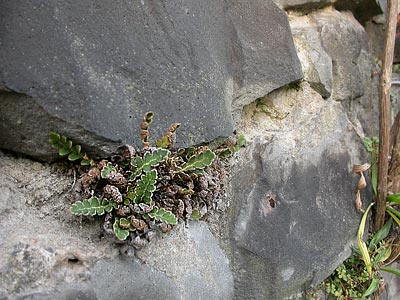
303	4
49	254
110	62
291	217
290	188
337	62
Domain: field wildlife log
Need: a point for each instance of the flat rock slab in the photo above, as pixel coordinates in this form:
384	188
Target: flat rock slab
90	70
293	217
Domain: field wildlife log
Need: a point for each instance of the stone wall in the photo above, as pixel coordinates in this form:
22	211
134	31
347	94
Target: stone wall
293	76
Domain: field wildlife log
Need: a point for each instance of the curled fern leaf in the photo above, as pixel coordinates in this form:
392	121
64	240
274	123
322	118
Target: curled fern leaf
149	160
144	128
120	233
146	187
92	206
198	162
165	216
168	139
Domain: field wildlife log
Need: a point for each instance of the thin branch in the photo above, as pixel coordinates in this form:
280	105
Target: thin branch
384	112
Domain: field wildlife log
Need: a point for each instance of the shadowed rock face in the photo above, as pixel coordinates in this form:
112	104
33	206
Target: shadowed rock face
99	66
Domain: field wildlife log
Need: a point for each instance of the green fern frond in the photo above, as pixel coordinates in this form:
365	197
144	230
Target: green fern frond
92	206
163	215
148	161
198	162
145	187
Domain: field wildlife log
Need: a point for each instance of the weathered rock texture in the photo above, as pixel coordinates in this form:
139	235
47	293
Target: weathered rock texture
338	63
47	254
96	67
214	66
289	189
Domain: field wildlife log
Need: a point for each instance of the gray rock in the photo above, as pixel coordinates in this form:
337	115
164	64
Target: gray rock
337	62
67	292
49	254
193	259
392	291
343	38
293	217
127	279
91	70
303	4
316	63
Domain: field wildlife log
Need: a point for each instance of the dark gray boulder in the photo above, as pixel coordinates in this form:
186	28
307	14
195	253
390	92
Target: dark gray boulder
97	67
292	218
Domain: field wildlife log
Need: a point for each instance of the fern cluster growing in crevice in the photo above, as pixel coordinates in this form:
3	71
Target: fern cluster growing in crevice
142	192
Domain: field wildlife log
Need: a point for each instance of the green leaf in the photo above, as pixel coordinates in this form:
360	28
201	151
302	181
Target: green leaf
394	214
241	142
391	270
163	215
368	144
200	161
361	244
73	156
149	160
108	169
394	217
54	139
125	224
64	151
145	187
92	206
85	162
163	143
374	174
383	254
196	215
372	287
380	235
395	199
120	233
65	147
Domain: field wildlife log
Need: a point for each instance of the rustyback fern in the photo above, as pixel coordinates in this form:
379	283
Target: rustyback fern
148	161
108	169
163	215
65	147
198	162
93	206
122	227
142	192
146	187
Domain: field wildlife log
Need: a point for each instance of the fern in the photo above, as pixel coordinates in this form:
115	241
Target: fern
168	139
163	215
92	206
198	162
144	128
121	228
196	215
65	147
149	160
108	169
146	187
